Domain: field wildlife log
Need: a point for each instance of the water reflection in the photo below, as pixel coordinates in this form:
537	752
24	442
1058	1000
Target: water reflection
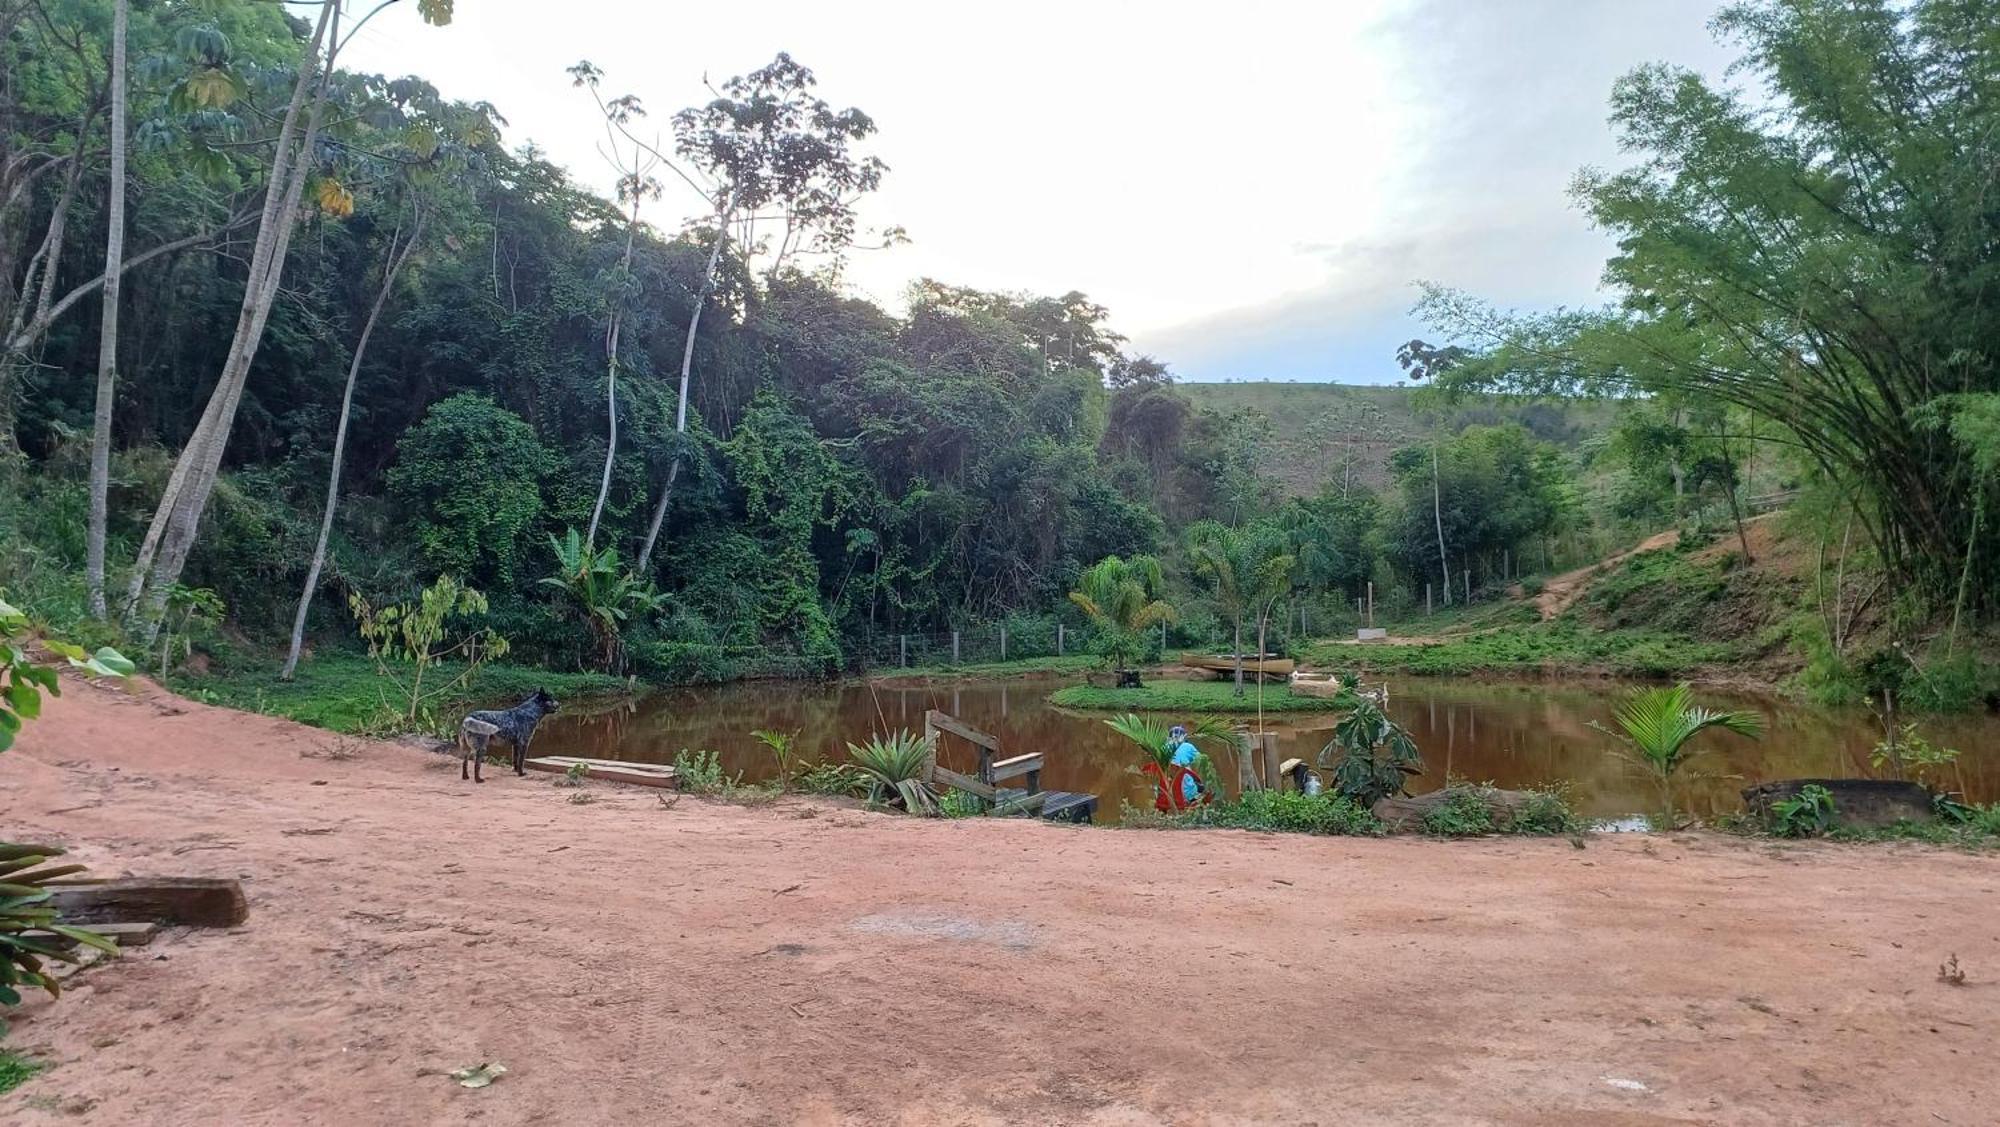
1511	735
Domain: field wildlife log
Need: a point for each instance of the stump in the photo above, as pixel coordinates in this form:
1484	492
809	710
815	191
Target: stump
1860	803
1129	679
1405	814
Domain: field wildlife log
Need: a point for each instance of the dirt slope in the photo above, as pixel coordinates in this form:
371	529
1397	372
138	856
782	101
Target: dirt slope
705	964
1559	593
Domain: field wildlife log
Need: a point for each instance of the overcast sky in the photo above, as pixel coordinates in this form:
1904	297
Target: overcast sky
1252	188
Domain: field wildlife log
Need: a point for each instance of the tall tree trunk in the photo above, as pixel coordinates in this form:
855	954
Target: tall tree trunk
1239	655
398	255
171	535
612	332
107	330
1437	514
1735	506
687	367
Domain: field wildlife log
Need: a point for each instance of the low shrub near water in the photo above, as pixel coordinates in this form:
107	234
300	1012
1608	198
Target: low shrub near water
1192	697
1275	811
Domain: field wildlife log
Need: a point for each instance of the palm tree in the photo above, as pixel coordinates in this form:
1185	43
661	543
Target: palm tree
1249	569
1121	598
1658	723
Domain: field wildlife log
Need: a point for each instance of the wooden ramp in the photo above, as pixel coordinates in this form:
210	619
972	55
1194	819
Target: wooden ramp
609	770
1056	806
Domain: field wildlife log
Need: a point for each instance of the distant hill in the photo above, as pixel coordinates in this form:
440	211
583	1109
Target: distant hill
1320	430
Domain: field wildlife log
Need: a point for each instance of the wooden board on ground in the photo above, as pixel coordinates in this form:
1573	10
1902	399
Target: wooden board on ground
186	901
608	770
1069	806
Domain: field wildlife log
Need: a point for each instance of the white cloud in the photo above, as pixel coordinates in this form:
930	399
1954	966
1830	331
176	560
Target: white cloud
1251	189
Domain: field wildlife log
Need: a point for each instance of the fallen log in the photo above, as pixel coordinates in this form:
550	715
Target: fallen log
1400	813
1861	803
182	901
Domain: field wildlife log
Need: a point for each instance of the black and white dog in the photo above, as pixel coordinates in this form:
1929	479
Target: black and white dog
516	725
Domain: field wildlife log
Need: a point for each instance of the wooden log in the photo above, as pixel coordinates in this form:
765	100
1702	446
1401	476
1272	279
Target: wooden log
1271	776
1862	803
608	770
1402	813
184	901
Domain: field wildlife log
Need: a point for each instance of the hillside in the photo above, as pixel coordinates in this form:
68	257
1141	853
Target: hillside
1320	429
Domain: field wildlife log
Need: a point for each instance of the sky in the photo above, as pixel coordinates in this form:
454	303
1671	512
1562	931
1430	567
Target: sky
1253	189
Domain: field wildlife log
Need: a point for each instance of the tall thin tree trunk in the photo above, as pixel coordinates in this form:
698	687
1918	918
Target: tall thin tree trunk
611	336
1736	507
1239	655
178	516
1437	513
687	367
107	331
398	255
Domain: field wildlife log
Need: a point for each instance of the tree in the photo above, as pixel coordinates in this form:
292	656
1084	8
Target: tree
164	551
767	142
107	335
1864	155
605	593
1121	598
469	480
1248	569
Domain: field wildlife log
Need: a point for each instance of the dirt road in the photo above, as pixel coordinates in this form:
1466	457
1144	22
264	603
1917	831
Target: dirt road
708	963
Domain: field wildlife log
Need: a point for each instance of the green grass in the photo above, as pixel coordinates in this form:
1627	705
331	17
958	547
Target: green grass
1555	647
1189	697
15	1070
343	692
1068	663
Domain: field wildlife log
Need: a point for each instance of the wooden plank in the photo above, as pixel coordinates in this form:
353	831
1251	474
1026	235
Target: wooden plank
610	771
1019	803
944	721
187	901
1019	765
127	934
965	783
1068	806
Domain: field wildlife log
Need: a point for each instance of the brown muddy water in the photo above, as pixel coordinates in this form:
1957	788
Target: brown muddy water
1513	735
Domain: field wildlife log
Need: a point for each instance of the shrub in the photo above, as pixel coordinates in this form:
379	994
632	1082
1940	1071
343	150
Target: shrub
682	663
700	772
830	778
1546	812
1274	811
1463	814
469	476
1806	814
1370	755
894	766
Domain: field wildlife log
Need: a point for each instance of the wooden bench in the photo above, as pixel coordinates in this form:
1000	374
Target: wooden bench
1029	798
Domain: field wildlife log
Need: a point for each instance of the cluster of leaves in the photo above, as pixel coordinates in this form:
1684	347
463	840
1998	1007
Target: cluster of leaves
409	641
1808	813
1370	756
894	766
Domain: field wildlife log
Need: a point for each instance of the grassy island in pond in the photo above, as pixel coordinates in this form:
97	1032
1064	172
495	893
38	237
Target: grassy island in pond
1193	696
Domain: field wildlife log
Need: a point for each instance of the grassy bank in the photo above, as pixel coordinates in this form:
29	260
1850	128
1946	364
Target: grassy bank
344	692
1190	696
1019	667
1556	647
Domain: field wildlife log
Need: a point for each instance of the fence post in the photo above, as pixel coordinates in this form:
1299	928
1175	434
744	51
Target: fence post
1163	638
1059	639
1468	584
903	652
954	647
1371	604
1427	599
1003	643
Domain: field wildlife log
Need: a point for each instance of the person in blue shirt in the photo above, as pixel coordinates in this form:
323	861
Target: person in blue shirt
1184	755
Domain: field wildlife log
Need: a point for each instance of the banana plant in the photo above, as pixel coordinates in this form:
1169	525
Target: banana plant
605	593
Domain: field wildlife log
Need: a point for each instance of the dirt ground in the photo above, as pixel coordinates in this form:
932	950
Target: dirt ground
708	963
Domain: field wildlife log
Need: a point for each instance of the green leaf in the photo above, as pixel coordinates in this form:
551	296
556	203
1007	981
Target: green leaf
479	1075
25	699
108	662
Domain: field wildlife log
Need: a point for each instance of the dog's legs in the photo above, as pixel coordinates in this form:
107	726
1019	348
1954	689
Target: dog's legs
521	755
478	757
464	755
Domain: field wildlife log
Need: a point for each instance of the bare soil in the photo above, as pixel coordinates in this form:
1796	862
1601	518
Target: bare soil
704	963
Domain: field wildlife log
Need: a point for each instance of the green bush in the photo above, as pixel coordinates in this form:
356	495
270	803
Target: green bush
1463	814
700	772
1546	812
469	479
681	663
1275	811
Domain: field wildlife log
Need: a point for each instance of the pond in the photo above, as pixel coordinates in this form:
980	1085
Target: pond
1513	735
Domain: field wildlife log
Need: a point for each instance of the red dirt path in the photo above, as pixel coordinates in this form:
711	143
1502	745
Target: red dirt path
708	963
